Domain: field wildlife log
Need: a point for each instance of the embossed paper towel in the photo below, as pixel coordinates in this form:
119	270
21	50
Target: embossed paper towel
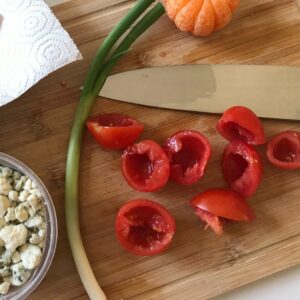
32	45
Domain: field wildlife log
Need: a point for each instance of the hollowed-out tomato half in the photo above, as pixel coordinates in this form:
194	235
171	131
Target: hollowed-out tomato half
188	152
144	227
242	168
283	151
241	123
145	166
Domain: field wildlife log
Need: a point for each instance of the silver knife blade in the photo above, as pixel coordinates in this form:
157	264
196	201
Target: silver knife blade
270	91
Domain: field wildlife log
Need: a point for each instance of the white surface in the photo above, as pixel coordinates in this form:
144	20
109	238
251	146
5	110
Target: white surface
281	286
54	2
33	44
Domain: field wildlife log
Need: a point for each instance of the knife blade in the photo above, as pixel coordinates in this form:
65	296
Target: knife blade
270	91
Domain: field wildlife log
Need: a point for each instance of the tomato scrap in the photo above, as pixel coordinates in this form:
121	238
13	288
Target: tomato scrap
114	131
188	152
145	166
242	168
241	123
213	205
283	151
144	227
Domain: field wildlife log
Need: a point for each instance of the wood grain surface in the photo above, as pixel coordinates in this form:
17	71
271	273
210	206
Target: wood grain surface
199	265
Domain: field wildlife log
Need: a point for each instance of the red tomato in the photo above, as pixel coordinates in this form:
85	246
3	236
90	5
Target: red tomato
144	227
241	123
242	168
214	204
188	152
114	131
283	151
145	166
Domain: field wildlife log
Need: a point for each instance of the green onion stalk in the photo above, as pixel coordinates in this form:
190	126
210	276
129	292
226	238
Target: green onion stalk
100	68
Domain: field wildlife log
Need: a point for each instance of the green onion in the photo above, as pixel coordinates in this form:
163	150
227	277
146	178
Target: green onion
100	69
110	41
153	15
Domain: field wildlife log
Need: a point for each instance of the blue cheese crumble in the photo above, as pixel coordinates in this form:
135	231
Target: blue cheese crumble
22	228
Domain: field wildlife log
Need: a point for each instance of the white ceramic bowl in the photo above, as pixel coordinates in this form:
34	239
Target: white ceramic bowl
20	293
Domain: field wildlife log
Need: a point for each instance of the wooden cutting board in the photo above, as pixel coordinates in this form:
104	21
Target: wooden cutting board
199	265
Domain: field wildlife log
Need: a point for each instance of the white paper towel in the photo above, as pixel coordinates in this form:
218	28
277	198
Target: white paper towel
32	45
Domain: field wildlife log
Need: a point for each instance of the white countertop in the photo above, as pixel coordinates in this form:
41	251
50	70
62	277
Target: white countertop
281	286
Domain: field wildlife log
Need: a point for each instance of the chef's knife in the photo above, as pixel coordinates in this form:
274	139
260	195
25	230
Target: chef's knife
270	91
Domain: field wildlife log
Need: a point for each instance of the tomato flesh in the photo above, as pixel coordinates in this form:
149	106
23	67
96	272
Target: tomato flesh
211	220
144	227
114	120
236	132
114	131
188	152
283	151
214	205
145	166
286	151
141	167
241	123
235	166
242	168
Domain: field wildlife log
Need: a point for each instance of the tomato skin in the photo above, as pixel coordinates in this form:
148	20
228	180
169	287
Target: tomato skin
224	203
283	150
241	123
144	227
214	204
114	131
188	152
145	166
242	168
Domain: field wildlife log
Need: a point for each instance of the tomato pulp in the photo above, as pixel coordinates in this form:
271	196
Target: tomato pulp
145	166
188	152
144	227
114	131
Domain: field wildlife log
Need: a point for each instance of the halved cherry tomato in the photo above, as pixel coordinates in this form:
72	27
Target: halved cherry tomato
144	227
114	131
283	151
214	204
242	168
145	166
188	152
241	123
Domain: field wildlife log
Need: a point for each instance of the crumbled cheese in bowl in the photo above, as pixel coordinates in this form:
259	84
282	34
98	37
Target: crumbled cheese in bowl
22	228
